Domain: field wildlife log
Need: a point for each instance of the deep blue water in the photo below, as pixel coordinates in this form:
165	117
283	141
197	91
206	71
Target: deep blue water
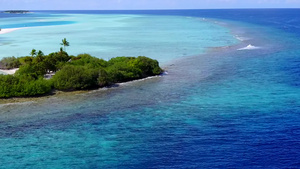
225	109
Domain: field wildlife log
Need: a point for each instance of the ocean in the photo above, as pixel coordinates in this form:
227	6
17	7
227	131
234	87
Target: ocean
230	97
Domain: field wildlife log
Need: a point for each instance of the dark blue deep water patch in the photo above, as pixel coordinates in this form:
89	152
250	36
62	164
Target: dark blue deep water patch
228	109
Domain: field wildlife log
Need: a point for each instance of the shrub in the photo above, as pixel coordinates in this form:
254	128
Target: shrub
10	63
72	77
12	86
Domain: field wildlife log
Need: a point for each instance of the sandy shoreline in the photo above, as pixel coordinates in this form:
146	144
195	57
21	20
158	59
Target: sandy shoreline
9	72
4	31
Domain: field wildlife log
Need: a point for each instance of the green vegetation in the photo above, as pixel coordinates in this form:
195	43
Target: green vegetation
9	63
71	72
12	86
33	52
16	11
65	43
72	77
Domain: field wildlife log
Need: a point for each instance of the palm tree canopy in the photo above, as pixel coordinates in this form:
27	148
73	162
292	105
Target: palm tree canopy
33	52
65	42
40	53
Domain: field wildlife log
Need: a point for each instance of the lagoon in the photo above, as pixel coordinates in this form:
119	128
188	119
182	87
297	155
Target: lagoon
218	107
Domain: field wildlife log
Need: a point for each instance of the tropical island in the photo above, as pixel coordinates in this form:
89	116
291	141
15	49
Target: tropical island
17	11
81	72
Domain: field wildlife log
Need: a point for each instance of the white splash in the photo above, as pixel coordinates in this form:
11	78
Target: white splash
249	47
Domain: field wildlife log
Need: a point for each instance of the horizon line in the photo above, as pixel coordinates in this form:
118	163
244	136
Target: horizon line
145	9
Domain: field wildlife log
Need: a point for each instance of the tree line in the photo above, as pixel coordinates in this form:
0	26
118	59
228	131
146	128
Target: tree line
79	72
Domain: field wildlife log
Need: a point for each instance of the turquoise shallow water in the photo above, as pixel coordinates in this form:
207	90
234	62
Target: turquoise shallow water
107	36
226	108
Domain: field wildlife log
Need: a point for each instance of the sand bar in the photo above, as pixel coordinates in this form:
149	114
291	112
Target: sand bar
4	31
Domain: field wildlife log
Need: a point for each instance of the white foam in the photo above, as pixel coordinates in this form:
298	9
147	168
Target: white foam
165	73
240	38
138	80
17	103
249	47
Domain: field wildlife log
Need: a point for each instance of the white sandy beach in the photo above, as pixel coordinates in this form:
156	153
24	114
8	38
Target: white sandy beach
4	31
9	72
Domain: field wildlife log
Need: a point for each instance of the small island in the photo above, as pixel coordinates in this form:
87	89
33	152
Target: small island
81	72
16	11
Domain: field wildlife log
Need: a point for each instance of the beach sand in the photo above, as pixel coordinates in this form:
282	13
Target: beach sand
9	72
4	31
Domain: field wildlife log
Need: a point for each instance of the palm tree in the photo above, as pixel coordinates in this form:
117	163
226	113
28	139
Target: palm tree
65	43
33	52
39	56
40	53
